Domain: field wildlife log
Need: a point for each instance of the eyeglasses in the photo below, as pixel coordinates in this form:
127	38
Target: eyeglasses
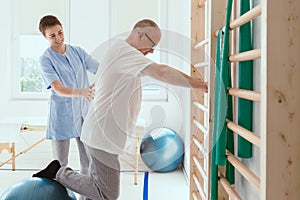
153	43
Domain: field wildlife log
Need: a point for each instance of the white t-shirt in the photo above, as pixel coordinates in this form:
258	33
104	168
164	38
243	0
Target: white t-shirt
113	112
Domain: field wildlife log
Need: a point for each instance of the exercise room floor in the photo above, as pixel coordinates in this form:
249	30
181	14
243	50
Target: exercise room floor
161	186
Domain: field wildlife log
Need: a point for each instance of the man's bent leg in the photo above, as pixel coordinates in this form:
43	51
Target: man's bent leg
79	183
103	181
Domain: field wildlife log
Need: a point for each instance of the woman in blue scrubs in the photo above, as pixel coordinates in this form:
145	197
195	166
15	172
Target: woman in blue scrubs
64	70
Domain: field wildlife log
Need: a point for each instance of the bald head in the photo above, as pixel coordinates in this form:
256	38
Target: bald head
150	28
144	36
145	23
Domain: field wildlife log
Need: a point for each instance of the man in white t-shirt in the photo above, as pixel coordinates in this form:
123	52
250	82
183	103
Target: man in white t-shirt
113	112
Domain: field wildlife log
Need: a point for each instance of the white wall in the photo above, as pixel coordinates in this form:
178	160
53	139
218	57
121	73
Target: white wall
179	14
89	24
124	14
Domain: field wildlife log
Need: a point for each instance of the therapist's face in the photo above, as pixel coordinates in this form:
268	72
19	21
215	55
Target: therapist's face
55	35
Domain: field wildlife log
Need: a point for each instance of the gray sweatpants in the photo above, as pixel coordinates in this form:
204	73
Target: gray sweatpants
102	181
60	151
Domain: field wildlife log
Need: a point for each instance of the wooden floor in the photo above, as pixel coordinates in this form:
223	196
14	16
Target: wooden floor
161	186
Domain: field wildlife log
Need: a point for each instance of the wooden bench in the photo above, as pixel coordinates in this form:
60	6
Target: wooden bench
10	146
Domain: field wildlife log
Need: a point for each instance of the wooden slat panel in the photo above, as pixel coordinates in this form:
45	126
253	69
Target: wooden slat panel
200	106
245	94
202	43
202	64
250	176
199	187
197	35
247	55
229	189
248	135
246	17
200	126
200	168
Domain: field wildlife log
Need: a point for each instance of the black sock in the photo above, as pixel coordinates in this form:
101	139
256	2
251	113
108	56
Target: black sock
50	171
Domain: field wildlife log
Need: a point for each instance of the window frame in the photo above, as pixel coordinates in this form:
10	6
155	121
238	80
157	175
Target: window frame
15	52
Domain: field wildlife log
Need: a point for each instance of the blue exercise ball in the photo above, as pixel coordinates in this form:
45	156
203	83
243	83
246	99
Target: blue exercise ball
38	189
162	150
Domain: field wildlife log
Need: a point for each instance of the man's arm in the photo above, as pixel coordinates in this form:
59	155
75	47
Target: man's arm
174	77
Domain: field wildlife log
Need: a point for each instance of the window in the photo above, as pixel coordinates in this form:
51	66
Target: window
154	90
28	45
30	75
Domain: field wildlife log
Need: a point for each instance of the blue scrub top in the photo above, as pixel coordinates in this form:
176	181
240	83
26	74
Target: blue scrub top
66	115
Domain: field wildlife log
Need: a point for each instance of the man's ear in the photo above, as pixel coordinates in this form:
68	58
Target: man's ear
141	33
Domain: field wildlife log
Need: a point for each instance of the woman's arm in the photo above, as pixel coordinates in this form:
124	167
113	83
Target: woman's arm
88	93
